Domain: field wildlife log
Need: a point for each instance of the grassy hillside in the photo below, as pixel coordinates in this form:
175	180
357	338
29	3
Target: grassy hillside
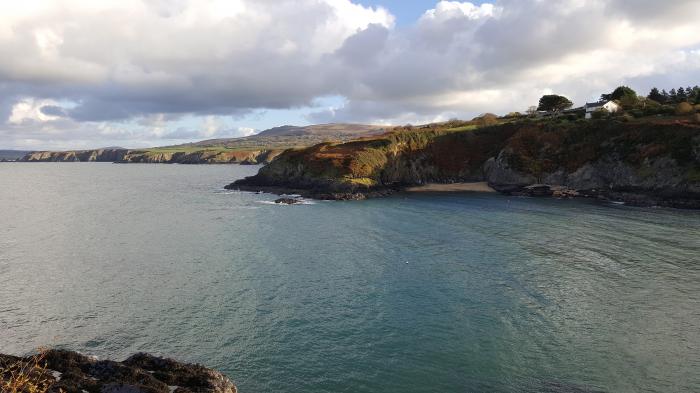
647	155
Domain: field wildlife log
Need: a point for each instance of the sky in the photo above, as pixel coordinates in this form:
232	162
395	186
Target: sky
135	73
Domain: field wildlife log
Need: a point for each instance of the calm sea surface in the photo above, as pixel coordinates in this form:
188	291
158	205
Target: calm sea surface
419	293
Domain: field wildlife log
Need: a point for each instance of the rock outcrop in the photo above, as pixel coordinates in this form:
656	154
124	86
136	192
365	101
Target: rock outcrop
639	163
71	372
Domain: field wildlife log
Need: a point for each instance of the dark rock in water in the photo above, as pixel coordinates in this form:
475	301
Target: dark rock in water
287	201
141	373
538	190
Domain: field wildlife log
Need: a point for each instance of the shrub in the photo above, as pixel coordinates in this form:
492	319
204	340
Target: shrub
26	375
636	113
626	117
667	110
600	113
684	108
487	119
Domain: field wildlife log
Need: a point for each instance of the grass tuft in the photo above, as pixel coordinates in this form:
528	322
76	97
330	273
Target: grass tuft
27	375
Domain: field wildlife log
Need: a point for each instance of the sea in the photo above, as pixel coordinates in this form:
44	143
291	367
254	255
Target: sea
459	292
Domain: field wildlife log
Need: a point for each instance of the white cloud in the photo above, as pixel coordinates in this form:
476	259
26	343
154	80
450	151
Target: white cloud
32	111
133	69
445	10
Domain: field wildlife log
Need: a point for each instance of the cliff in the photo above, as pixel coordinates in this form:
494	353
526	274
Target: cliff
645	162
165	156
56	371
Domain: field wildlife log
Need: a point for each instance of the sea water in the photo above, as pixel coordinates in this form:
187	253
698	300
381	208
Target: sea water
412	293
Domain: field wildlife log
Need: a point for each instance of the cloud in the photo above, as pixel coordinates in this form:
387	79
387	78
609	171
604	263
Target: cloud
460	59
31	111
85	71
126	58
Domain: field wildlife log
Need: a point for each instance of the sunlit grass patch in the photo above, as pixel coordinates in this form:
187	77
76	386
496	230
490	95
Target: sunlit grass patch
28	375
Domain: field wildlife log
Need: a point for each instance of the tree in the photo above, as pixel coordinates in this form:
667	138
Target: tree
554	103
655	95
681	96
672	95
622	92
667	96
693	94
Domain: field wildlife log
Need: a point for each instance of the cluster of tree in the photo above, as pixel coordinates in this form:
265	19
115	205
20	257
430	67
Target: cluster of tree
681	101
626	97
687	94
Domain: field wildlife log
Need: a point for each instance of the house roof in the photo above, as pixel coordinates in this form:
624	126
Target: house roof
595	104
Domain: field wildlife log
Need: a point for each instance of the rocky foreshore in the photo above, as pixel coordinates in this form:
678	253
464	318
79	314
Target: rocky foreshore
639	198
72	372
319	193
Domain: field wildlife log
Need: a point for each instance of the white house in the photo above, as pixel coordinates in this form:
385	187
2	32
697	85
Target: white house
609	106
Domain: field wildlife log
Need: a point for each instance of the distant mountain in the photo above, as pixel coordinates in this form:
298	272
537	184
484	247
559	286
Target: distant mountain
12	155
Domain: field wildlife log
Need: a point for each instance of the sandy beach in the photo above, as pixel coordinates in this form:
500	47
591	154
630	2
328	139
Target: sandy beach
452	187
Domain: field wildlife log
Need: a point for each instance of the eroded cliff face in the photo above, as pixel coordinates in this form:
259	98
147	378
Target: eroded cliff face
643	164
201	157
100	155
658	181
156	156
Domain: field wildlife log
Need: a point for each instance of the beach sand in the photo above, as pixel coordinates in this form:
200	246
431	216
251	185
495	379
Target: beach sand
452	187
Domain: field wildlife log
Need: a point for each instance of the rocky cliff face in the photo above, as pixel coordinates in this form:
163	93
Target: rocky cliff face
101	155
641	163
156	156
71	372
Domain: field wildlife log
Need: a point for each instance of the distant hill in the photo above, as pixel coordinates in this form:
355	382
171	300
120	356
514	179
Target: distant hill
12	155
287	136
254	149
338	130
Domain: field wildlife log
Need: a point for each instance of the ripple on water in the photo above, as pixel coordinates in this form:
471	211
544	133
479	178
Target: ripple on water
499	294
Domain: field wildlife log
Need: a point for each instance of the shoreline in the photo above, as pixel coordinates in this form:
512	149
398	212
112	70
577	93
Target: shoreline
636	198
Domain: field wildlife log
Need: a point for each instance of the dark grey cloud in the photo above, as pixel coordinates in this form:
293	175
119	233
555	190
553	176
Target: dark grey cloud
53	110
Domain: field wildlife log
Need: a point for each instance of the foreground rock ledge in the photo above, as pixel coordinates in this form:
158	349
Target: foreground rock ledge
140	373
